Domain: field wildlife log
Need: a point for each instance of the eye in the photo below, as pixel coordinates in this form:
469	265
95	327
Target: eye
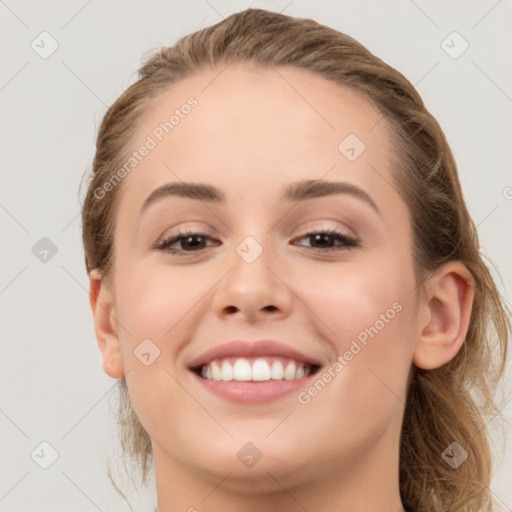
189	240
192	241
326	240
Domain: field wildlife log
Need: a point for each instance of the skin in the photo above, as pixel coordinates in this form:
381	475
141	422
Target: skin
251	135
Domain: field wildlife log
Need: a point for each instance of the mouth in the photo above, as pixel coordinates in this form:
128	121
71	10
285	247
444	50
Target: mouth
259	369
253	372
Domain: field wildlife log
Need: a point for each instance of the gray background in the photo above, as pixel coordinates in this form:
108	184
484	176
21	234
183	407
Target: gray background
53	386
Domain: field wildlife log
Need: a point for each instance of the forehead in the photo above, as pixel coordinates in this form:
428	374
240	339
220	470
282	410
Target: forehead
257	128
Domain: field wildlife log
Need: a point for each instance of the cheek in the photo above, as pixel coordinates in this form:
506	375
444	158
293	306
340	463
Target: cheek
348	297
152	305
362	393
152	302
367	314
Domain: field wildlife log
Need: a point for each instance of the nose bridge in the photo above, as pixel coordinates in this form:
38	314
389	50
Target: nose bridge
252	285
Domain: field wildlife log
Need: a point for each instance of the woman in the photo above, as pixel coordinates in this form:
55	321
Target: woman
285	277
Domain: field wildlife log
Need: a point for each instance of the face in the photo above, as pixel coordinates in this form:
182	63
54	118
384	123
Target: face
324	269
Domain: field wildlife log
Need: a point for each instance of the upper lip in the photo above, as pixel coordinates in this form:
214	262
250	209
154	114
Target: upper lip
260	348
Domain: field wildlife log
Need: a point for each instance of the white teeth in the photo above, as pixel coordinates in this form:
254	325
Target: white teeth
258	370
289	372
227	371
216	373
242	370
277	372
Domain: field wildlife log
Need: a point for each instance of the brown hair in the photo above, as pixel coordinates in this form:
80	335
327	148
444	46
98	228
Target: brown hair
443	405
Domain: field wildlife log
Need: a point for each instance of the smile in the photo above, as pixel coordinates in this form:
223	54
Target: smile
253	372
255	369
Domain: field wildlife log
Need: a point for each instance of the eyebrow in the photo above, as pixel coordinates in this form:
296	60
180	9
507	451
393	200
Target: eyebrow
299	191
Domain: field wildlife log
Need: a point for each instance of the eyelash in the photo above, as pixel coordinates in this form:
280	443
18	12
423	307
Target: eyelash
348	242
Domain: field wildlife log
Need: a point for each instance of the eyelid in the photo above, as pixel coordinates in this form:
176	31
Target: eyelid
183	231
331	231
325	225
348	242
303	230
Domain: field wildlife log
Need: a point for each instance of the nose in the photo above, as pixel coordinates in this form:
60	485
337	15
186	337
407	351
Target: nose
254	290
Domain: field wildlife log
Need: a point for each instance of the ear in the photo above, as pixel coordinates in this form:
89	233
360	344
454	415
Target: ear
102	305
444	313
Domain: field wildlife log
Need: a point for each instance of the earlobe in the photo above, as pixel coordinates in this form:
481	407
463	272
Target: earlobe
444	316
102	305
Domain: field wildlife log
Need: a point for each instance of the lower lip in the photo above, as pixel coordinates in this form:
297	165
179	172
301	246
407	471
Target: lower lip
253	392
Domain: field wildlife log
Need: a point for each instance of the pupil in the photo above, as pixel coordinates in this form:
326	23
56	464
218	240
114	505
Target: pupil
193	241
322	238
